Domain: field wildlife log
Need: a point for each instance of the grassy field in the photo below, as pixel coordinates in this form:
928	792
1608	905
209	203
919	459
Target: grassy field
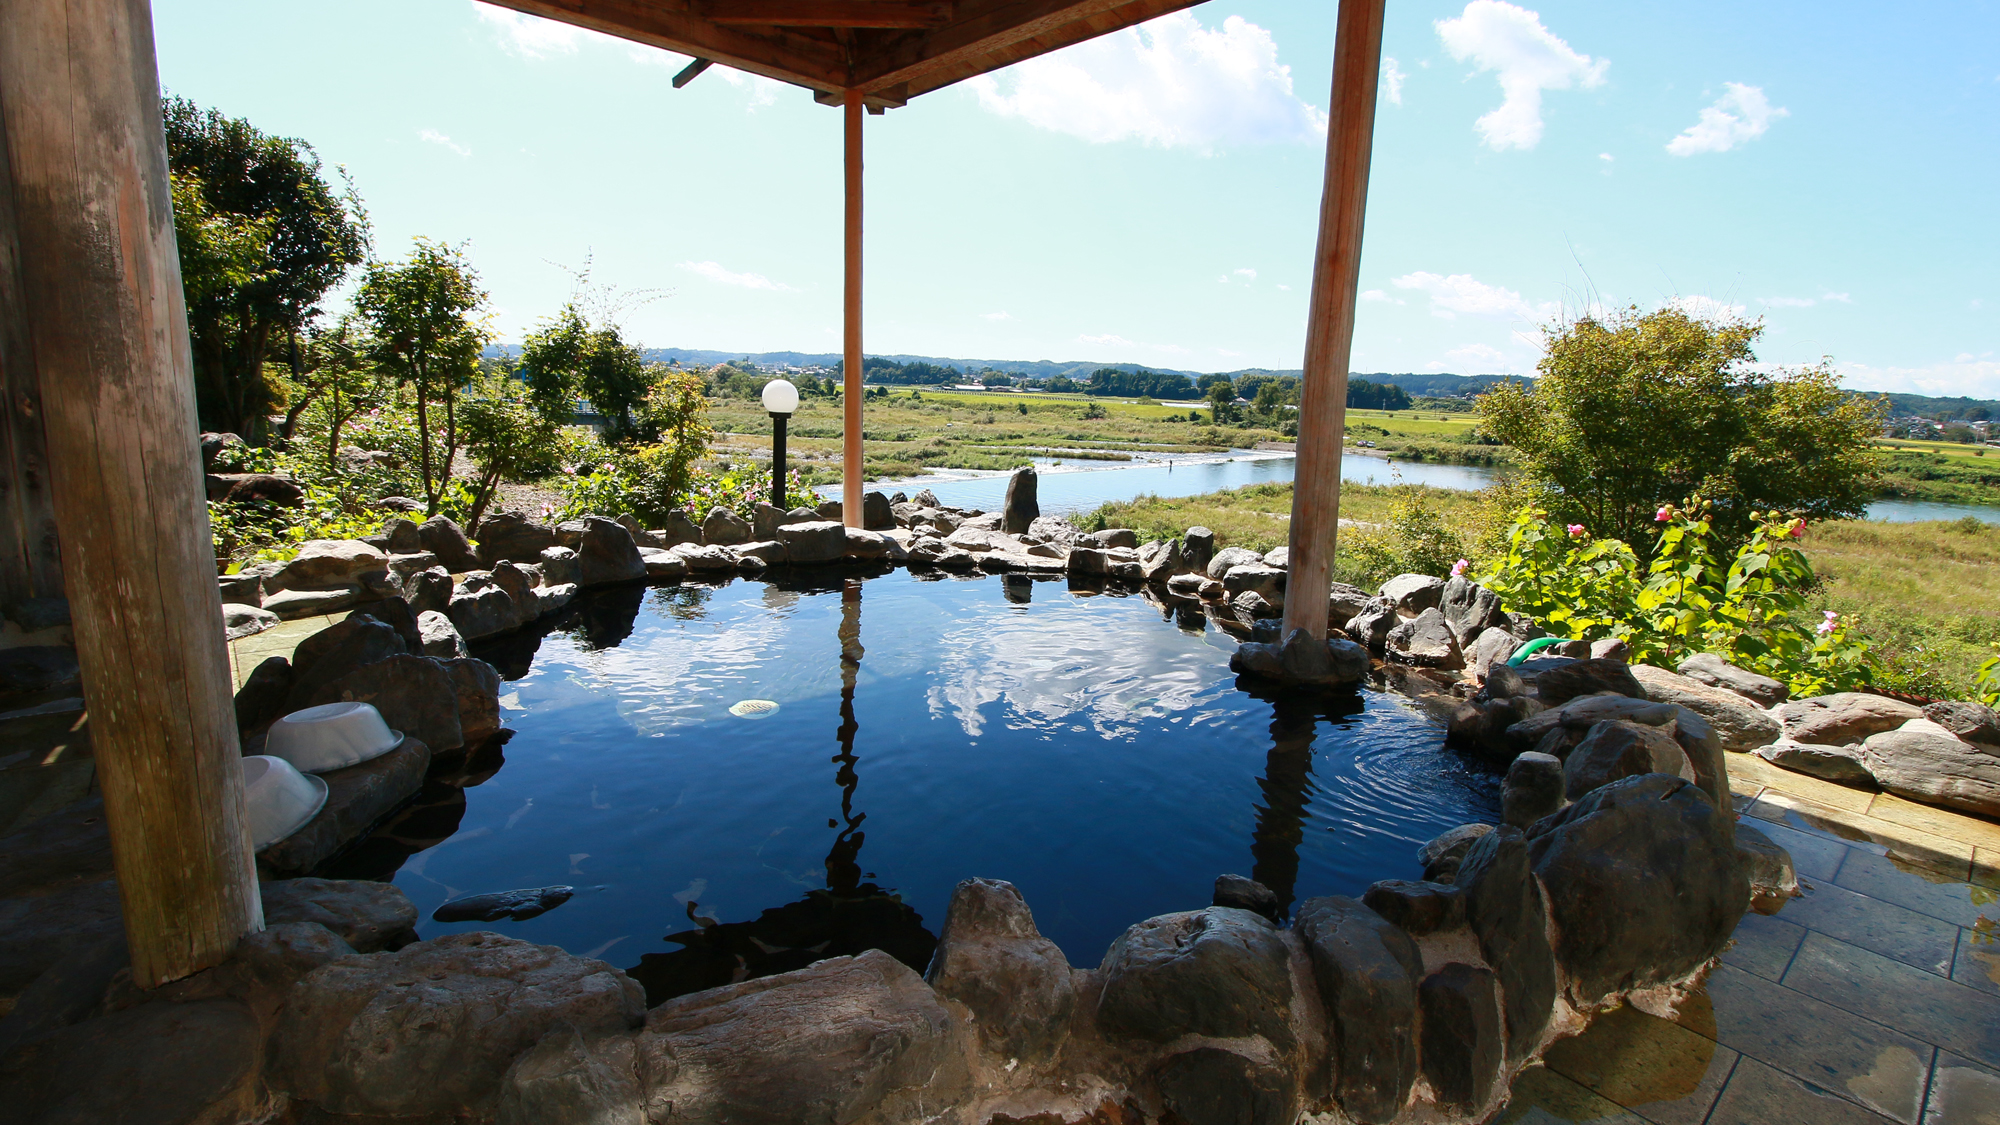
1927	593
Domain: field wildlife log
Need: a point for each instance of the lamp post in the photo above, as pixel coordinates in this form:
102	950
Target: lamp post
780	398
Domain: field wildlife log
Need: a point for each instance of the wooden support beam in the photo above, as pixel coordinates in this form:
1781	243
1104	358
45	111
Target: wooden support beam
985	35
100	282
1350	137
850	481
829	13
30	559
691	71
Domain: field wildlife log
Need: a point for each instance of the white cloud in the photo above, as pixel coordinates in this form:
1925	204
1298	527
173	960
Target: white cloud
1963	375
1526	57
1739	116
1704	308
1392	81
995	316
434	137
1477	353
1247	274
1168	82
1606	157
1106	339
763	91
1462	293
1288	288
1841	297
714	271
1375	295
1227	354
530	36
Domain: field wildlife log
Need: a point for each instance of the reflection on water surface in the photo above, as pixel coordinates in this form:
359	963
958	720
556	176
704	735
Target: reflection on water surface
1081	743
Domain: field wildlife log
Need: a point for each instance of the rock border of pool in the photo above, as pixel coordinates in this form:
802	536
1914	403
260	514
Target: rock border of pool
1616	876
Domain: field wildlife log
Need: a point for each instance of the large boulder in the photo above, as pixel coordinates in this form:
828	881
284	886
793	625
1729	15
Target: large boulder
1426	641
607	554
1843	718
336	651
1490	649
1366	971
1508	917
1218	972
1370	627
847	1039
1470	608
1587	677
263	488
326	563
513	536
1343	602
1926	762
1617	748
1021	508
813	541
1644	884
368	916
1441	856
446	540
725	527
679	527
155	1064
1741	724
431	1028
1413	593
1212	1086
991	958
1268	582
1834	763
875	512
1462	1038
1160	560
1710	669
1973	722
570	1076
476	688
486	612
358	797
415	694
1533	788
1230	557
239	621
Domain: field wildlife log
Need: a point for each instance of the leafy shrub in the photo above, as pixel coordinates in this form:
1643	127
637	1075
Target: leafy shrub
1754	612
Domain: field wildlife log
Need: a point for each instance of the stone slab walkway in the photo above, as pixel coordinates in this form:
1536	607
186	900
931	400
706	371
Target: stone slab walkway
1873	999
245	653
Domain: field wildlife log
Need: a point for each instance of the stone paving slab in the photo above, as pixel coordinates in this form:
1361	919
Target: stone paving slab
1759	1095
1940	1011
245	653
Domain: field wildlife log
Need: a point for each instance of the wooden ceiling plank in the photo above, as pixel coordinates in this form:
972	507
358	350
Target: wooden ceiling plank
674	25
829	13
986	35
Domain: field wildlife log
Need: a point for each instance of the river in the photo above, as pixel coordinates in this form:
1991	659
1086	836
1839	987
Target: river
1067	488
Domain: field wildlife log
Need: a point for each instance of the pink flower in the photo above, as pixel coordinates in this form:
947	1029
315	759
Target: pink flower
1458	567
1663	514
1826	626
1798	529
1576	529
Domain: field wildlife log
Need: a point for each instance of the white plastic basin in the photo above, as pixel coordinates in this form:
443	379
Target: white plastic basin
280	799
330	737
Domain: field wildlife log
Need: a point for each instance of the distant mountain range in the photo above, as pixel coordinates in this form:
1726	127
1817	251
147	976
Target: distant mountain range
1433	383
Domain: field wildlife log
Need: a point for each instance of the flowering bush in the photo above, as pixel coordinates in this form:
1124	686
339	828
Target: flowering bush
1753	612
647	483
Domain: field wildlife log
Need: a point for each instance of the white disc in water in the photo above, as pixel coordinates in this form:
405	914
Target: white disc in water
753	708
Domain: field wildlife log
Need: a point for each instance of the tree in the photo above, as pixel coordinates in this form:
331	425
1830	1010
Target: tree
333	369
426	319
1222	401
1634	411
507	435
569	360
263	239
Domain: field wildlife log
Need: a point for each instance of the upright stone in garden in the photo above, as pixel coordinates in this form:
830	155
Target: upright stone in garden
1618	748
1160	560
1366	970
1739	723
1021	508
725	528
1587	677
679	528
1197	548
876	514
1644	885
991	958
1926	762
813	541
447	541
1843	718
1508	917
1471	609
1425	641
1370	627
607	554
1533	789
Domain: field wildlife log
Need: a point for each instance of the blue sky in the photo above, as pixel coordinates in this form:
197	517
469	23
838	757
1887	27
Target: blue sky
1151	196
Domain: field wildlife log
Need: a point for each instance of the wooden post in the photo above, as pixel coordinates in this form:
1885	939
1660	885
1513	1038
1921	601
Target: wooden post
850	484
99	279
1350	133
30	561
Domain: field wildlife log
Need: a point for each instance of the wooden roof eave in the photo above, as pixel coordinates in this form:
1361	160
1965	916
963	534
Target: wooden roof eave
889	66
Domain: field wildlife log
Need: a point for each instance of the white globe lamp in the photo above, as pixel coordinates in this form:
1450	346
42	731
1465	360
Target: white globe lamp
780	398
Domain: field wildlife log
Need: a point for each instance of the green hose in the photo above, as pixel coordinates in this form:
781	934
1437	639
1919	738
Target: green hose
1531	648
